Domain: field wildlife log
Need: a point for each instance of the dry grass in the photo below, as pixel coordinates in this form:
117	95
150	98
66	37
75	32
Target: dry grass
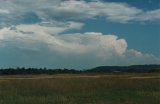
81	89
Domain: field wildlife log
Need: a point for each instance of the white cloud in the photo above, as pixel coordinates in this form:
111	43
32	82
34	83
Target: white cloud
51	10
119	12
153	15
78	50
67	43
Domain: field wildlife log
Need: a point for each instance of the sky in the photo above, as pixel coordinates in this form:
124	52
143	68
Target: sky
79	34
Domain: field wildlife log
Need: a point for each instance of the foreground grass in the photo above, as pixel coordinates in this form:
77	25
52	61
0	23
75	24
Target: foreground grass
80	89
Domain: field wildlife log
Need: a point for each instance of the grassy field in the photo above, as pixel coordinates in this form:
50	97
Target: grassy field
81	89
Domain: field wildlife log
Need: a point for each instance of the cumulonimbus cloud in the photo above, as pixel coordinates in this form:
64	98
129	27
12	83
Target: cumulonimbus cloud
77	50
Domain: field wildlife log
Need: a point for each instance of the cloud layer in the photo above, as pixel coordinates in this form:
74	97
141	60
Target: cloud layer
20	11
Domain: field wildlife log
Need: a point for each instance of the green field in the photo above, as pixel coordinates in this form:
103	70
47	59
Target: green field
81	89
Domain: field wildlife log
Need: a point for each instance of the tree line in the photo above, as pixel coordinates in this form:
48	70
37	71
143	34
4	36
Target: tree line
100	69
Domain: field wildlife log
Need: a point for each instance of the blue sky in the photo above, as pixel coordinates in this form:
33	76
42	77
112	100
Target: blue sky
79	33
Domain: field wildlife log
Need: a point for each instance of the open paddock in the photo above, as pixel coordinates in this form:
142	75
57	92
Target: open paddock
128	88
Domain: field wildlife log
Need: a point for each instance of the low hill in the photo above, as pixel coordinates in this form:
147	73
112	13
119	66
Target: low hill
133	68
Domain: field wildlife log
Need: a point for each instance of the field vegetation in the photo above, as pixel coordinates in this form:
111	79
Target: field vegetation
134	88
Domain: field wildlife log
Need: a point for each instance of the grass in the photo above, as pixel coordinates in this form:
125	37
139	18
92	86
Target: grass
80	89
